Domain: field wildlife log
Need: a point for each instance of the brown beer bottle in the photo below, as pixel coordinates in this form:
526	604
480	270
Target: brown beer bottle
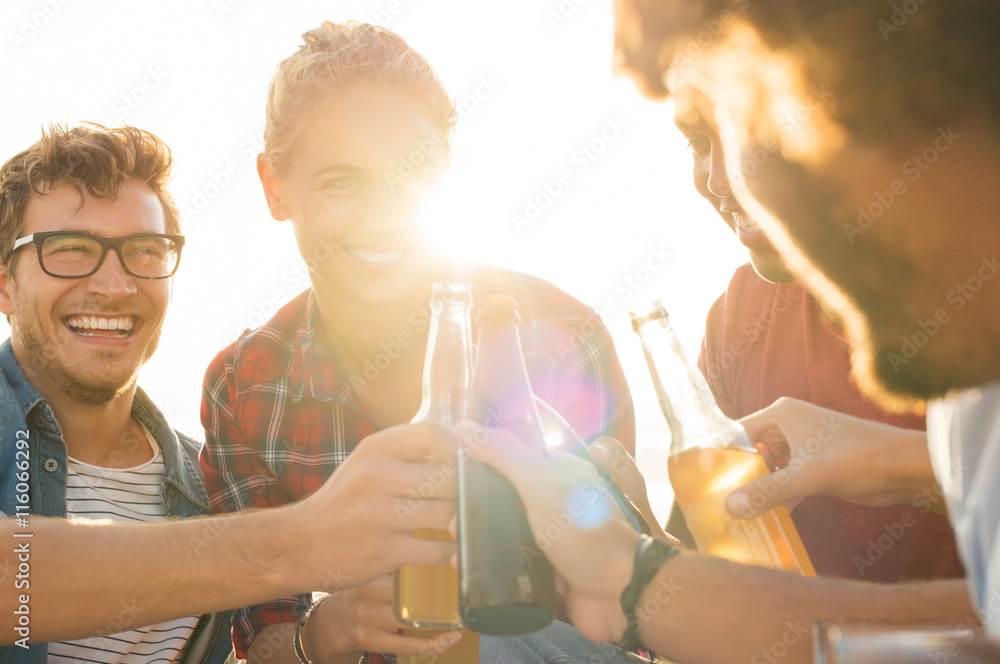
710	455
506	585
427	595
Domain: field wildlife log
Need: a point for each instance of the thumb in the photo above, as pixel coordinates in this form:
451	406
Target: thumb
765	493
611	457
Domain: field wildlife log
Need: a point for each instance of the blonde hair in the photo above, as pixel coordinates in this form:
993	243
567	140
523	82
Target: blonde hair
333	57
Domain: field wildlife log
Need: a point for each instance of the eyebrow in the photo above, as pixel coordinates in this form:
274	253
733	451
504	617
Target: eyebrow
339	168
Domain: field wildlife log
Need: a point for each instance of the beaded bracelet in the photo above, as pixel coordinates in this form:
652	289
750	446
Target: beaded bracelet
650	554
297	635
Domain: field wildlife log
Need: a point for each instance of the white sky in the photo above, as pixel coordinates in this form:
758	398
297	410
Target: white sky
196	74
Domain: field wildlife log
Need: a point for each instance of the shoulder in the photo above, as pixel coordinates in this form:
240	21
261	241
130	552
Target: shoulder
536	297
264	354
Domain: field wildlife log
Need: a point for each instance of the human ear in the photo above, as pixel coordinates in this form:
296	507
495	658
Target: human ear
6	299
272	188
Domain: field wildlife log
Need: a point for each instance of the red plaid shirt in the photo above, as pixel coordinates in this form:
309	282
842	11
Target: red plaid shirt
279	417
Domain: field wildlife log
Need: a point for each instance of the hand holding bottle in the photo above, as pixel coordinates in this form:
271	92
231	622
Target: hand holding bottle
561	494
361	619
818	451
612	458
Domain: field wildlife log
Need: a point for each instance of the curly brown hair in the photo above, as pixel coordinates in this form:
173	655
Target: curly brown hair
94	160
894	66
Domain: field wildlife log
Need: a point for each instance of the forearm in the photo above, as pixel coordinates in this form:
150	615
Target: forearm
764	612
79	578
906	463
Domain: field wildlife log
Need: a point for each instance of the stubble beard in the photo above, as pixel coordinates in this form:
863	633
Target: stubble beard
88	386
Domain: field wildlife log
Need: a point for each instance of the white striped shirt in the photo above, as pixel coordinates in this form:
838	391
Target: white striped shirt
125	495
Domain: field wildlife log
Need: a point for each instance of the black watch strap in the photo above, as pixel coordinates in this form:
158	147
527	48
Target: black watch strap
650	554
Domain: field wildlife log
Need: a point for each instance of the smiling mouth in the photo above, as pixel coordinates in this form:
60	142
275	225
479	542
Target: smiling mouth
745	223
377	257
101	326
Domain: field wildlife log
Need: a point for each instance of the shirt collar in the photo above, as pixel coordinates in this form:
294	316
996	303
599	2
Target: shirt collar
313	366
25	393
179	469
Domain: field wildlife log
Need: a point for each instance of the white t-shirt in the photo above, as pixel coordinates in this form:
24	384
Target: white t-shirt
963	432
126	495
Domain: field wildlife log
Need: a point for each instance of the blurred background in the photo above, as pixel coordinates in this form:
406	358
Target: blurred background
537	98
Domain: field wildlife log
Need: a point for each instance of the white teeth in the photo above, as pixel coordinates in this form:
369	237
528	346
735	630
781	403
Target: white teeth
122	323
378	258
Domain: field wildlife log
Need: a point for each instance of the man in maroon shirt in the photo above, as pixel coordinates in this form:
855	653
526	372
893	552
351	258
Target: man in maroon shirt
766	337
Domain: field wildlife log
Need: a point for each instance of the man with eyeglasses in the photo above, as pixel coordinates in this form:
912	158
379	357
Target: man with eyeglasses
89	238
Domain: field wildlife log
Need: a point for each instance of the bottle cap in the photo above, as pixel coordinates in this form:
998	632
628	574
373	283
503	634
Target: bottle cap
652	311
452	291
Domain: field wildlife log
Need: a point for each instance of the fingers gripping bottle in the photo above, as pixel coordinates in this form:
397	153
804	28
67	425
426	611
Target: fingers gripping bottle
427	595
710	455
506	585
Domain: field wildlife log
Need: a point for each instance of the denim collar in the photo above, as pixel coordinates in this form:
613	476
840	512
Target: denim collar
182	478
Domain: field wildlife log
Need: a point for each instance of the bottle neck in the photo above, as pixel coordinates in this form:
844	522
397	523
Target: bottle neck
501	395
692	414
447	366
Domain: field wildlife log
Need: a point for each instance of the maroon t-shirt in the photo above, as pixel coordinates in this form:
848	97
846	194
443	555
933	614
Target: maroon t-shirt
764	341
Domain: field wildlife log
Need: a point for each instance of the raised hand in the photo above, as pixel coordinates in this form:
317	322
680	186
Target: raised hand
576	523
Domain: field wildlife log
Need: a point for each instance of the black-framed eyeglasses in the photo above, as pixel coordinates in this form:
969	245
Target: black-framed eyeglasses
73	255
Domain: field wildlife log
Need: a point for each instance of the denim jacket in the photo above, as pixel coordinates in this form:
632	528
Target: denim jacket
24	415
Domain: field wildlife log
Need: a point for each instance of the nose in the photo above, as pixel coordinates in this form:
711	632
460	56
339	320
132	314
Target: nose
111	281
399	202
718	181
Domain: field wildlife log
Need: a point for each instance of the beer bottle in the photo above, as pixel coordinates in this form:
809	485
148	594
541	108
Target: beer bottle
506	585
427	595
710	455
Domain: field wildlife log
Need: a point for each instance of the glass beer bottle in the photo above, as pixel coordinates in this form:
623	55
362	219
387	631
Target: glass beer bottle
506	585
710	455
427	595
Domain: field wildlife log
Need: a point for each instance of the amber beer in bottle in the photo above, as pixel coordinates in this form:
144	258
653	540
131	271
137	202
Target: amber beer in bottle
710	455
506	585
427	595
